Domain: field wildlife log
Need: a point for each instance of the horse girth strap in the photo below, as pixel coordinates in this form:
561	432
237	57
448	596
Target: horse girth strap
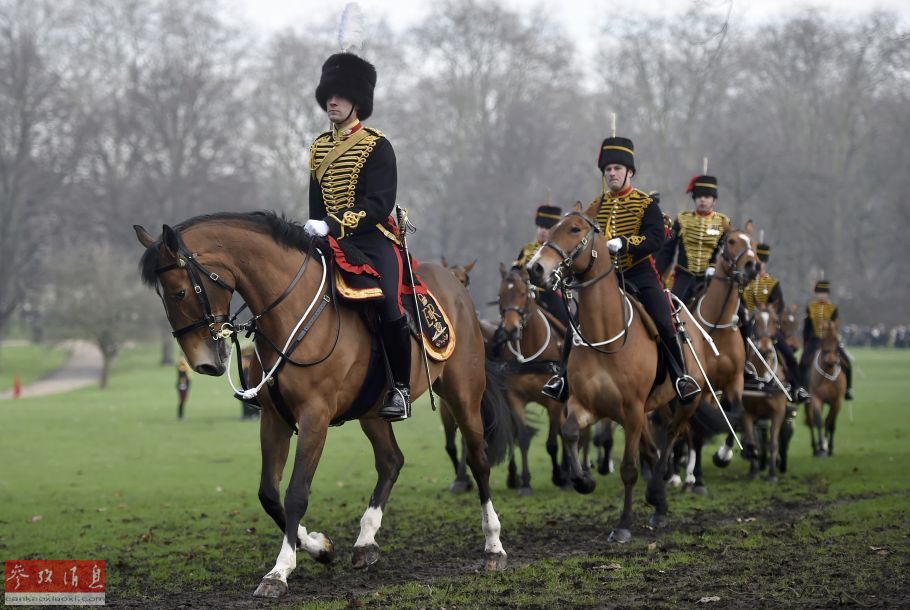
339	150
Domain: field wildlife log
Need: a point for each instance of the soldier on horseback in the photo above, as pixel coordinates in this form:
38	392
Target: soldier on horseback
696	236
353	185
634	224
766	289
819	310
545	217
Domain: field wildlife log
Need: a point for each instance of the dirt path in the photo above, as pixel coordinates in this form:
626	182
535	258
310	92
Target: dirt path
82	369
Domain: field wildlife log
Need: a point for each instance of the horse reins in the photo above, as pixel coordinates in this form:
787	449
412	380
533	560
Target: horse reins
565	265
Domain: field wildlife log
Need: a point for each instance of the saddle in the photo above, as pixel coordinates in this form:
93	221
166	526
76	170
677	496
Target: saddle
357	282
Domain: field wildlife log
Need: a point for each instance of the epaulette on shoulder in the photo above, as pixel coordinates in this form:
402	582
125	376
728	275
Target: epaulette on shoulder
723	216
375	132
686	213
640	195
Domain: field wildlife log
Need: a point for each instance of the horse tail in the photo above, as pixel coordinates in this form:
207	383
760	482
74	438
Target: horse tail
498	425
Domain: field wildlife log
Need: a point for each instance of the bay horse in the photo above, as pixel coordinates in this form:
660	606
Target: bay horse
198	265
768	403
827	385
716	311
531	351
613	370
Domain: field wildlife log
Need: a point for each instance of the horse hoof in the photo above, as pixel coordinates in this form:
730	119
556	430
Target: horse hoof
326	554
494	562
772	479
460	487
524	492
271	588
719	462
675	481
365	556
700	490
620	536
559	480
584	485
658	521
821	453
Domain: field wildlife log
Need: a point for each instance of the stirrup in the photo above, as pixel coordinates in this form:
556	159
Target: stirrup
556	388
397	405
686	388
801	395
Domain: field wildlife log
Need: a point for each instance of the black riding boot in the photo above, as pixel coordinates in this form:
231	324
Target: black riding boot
793	371
848	371
686	387
397	341
557	387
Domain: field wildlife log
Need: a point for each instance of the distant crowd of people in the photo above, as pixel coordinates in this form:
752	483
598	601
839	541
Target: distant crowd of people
877	335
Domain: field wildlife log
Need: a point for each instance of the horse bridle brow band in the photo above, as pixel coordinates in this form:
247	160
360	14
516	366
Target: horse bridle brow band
187	260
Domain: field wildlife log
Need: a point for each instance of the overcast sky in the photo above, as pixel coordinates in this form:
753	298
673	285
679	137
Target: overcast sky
580	18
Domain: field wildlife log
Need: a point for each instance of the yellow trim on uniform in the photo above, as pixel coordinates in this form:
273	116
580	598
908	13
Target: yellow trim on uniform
545	215
622	148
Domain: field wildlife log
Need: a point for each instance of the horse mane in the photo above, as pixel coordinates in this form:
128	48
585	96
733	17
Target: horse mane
285	232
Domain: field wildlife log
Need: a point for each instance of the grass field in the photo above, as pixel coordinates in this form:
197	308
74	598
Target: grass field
30	362
172	507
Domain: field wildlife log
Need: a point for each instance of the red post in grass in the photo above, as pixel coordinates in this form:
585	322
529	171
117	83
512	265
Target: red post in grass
17	386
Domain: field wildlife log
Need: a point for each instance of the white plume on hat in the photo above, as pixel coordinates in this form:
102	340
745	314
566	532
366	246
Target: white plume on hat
350	32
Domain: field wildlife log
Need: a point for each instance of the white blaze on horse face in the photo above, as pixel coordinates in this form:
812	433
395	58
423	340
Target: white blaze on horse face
491	529
765	318
369	525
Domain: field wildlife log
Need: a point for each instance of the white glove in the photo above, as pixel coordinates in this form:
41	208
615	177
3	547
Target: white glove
614	245
319	228
709	272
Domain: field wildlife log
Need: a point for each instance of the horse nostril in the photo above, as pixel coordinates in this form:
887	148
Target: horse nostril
535	272
207	369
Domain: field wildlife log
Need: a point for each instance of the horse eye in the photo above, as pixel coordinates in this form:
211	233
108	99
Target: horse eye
731	242
576	230
178	296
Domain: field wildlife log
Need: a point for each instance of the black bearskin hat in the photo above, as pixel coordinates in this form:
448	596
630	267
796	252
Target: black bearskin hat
822	286
616	150
547	216
350	77
703	185
763	251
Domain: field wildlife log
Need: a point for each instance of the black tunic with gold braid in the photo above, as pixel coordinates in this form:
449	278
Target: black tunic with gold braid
356	196
763	289
694	243
635	218
817	311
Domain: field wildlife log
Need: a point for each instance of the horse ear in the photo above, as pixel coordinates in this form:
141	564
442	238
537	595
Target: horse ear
445	263
169	237
592	210
748	227
469	266
503	270
577	206
144	238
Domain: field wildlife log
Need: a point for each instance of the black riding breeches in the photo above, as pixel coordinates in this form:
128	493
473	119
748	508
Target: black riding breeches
549	300
388	260
652	296
793	371
685	284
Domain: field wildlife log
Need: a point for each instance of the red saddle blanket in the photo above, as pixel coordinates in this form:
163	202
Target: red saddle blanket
357	281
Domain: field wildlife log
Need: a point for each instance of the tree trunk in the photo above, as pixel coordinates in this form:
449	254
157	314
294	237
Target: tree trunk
167	348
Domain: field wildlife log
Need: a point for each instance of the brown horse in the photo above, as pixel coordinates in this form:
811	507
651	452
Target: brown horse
791	328
715	310
827	384
612	372
461	272
770	402
197	266
531	349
